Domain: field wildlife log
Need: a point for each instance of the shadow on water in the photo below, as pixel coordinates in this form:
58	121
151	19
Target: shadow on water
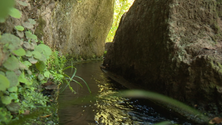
105	110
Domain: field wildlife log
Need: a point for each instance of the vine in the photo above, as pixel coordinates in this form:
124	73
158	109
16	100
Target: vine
26	66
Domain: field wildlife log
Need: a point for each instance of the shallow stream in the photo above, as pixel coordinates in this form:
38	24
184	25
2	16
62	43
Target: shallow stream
100	110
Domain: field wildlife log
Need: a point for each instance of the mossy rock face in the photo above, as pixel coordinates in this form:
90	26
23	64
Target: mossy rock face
79	28
169	47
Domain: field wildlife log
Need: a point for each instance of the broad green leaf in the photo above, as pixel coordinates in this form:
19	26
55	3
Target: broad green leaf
28	25
31	36
2	20
13	95
6	100
12	40
28	46
19	28
24	80
29	72
32	21
20	34
32	60
13	89
13	12
13	78
2	73
19	52
22	3
27	63
47	74
37	55
44	49
12	63
40	66
5	6
28	54
4	83
13	107
5	115
40	77
22	66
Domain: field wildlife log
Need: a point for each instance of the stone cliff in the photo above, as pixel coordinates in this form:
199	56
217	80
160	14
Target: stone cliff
75	27
172	47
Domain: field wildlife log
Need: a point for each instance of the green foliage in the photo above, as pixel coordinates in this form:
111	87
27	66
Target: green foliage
25	64
5	116
21	64
56	66
19	28
19	52
4	83
121	6
5	6
15	13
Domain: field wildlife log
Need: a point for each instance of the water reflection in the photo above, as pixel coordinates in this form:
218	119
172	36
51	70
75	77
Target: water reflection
114	110
103	110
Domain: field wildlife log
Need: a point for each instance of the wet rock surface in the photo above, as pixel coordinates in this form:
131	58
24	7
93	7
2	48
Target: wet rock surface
172	47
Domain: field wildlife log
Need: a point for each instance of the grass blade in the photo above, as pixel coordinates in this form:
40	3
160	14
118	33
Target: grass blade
84	82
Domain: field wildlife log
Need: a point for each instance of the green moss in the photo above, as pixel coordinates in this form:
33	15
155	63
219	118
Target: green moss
39	30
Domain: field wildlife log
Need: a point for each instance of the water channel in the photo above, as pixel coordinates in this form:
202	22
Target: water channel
100	110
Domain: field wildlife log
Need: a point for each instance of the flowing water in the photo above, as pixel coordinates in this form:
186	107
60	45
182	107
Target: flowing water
101	110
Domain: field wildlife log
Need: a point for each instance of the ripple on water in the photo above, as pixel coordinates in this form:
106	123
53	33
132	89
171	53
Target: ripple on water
104	110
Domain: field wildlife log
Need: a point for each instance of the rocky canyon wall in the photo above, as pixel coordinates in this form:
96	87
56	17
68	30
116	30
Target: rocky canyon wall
172	47
75	27
79	28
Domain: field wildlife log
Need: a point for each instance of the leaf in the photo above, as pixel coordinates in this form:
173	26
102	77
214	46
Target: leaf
13	12
6	100
28	46
2	73
12	40
40	66
28	25
22	66
19	28
13	107
27	63
40	77
13	89
47	74
32	21
32	60
20	34
24	80
44	49
13	78
19	52
12	63
13	95
28	54
22	3
30	36
37	55
2	20
4	83
5	7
